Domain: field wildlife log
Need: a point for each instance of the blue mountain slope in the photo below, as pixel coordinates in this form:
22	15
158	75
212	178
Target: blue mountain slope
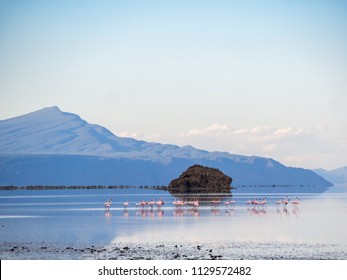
336	176
51	147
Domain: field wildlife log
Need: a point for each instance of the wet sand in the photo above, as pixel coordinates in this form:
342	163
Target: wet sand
178	251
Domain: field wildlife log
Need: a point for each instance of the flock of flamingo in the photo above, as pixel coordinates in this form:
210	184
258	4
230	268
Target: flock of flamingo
179	203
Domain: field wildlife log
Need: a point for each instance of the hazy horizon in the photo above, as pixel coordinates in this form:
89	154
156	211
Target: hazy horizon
246	77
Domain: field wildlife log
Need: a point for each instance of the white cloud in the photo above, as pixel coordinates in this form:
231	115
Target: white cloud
136	135
210	130
288	131
290	145
241	131
258	129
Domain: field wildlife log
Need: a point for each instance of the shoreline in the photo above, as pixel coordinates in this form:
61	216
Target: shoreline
118	250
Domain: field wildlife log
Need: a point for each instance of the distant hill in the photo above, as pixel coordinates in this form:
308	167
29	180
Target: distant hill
51	147
336	176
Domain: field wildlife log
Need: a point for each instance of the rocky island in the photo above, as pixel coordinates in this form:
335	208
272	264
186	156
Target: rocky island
201	179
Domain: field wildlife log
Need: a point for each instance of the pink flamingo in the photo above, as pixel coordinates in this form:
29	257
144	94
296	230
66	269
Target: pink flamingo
263	202
285	201
126	204
160	202
195	202
107	204
141	204
151	203
255	202
296	202
229	202
178	203
249	202
215	202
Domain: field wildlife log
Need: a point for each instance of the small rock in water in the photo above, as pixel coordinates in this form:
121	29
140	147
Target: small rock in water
176	256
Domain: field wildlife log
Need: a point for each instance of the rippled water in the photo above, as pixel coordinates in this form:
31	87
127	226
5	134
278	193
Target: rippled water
78	217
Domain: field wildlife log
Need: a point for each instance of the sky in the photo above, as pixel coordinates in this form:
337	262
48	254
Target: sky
264	78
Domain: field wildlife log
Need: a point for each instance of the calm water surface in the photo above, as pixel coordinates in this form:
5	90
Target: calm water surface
78	217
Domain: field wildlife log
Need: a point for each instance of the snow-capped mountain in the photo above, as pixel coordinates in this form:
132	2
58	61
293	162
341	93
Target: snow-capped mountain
52	147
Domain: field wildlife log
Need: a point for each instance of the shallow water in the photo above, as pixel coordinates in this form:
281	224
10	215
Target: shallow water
78	218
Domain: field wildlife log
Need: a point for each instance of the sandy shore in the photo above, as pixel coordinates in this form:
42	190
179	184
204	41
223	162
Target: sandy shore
179	251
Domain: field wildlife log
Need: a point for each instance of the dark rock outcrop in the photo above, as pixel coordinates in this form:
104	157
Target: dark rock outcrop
201	179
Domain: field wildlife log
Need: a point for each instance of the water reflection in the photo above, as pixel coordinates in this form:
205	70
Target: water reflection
68	214
197	199
229	212
296	211
152	213
186	212
108	214
286	211
259	212
126	213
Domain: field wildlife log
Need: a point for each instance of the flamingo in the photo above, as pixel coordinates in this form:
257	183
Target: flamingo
285	201
249	202
263	202
215	202
255	202
107	204
151	203
229	202
160	202
143	203
126	204
178	203
278	202
195	202
296	202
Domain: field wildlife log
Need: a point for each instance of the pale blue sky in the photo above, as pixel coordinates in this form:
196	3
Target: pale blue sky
263	78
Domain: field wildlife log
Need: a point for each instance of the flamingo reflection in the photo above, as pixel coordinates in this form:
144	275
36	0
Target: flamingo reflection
150	213
108	214
108	204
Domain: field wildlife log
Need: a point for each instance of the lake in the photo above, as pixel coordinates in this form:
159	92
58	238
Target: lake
76	218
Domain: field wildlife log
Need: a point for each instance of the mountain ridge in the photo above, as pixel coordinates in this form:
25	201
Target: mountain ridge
71	126
58	138
336	176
